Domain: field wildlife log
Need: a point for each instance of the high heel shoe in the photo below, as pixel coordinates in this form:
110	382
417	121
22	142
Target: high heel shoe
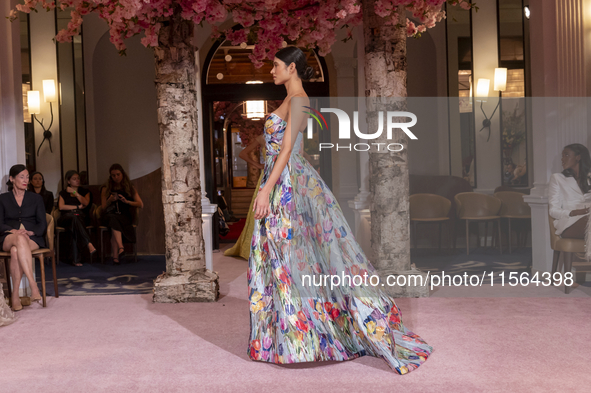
15	308
121	254
36	299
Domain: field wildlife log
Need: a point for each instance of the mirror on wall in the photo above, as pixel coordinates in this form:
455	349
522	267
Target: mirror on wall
460	84
513	105
30	160
70	66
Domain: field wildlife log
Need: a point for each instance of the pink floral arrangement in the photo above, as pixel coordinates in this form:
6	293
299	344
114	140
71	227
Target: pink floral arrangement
270	23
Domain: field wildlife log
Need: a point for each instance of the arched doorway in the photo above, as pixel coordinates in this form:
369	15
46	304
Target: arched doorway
228	80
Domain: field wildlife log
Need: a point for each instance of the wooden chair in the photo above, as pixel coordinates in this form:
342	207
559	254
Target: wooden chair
567	247
513	207
40	254
472	206
89	228
428	208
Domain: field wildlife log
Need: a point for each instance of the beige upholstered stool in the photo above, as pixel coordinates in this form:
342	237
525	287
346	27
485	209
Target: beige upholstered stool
428	208
472	206
513	207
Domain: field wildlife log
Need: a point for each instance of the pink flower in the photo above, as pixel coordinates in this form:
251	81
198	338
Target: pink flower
410	28
341	14
465	5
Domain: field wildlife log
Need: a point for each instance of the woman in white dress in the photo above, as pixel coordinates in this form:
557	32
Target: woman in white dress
569	193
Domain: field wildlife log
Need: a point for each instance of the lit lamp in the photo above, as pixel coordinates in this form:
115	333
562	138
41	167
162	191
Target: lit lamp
500	84
34	104
255	110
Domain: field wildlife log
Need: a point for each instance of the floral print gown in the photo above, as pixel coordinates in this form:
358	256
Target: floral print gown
306	233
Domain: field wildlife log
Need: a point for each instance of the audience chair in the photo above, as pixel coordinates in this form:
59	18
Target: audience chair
513	207
428	208
565	246
472	206
40	254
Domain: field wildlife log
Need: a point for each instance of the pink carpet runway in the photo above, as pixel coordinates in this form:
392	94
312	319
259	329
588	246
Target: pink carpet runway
126	343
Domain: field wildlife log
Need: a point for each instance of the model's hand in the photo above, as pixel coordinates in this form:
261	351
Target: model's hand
261	205
123	199
112	198
70	190
259	166
30	233
579	212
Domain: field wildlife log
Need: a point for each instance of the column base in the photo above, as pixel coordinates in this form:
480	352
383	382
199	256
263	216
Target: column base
187	287
412	280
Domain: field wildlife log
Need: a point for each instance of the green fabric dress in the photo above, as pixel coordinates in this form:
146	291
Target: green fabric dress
242	246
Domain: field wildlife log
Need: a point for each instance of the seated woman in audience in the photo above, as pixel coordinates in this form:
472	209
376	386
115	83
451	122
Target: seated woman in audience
569	193
118	196
72	203
37	185
22	226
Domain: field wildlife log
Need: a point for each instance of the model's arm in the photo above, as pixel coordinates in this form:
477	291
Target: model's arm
295	119
244	154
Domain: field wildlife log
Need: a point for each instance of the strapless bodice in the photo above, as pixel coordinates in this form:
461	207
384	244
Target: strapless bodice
274	132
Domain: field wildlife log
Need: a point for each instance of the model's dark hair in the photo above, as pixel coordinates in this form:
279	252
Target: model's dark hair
69	175
31	188
584	166
125	183
292	54
14	171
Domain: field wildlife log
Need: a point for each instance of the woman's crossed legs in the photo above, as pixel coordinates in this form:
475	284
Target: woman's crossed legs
21	262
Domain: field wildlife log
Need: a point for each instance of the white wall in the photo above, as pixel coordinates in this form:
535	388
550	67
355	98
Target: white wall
485	57
12	133
124	119
44	66
426	77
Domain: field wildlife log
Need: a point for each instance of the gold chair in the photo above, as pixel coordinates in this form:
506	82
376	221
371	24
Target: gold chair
567	246
56	215
513	207
428	208
40	254
472	206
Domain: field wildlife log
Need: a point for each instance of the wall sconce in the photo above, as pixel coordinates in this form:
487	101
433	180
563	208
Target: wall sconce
255	110
500	84
34	103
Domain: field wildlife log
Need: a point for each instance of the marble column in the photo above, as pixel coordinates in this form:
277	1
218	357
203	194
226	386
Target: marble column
208	208
12	133
360	204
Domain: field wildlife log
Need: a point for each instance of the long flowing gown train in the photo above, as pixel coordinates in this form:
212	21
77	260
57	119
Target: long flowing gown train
242	246
306	234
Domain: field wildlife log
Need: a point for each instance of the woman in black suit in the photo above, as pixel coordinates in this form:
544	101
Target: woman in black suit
22	226
37	185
